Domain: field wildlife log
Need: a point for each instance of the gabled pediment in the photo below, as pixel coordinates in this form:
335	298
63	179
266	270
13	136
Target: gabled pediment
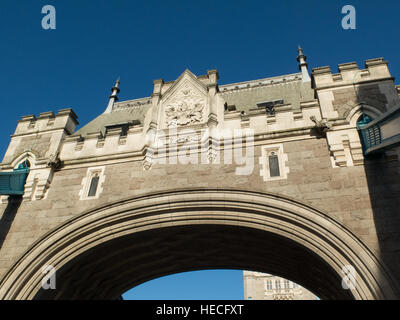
186	80
185	102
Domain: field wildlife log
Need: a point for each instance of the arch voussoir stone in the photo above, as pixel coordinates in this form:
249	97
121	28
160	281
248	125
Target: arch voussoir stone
98	242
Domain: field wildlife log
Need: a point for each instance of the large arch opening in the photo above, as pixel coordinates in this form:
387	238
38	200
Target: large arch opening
108	270
102	253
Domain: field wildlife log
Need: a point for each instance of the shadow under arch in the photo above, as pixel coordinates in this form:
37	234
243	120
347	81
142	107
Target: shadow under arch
103	252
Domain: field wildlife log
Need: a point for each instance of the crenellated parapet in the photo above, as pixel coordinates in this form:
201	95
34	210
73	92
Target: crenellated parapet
349	73
40	135
339	93
98	144
65	119
345	96
39	140
283	118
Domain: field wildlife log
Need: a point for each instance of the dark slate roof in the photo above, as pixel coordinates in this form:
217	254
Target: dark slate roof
123	112
246	95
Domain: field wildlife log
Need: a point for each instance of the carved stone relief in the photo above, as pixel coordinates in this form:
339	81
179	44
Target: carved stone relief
185	107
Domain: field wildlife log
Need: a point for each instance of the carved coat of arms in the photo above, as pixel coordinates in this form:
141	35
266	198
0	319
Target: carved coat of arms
184	113
186	108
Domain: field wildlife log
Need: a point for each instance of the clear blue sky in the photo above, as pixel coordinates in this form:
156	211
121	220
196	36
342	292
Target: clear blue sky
195	285
97	41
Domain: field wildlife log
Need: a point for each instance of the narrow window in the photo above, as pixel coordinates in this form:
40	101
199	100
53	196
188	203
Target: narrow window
269	285
277	284
93	185
274	165
286	283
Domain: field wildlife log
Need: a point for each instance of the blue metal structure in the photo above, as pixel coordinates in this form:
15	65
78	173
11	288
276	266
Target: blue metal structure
13	183
381	133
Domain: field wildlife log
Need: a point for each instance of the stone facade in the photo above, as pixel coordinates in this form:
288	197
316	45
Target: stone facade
261	286
141	147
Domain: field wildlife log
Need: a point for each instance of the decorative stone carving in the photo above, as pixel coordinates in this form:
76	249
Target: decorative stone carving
54	162
185	107
185	139
322	126
183	113
244	116
148	159
212	155
147	164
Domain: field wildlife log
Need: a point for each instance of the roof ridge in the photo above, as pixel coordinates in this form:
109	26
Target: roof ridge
292	76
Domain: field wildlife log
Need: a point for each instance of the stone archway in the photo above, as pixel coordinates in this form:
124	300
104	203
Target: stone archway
103	252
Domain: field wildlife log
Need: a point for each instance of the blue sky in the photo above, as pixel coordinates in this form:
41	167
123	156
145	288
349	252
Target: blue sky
97	41
195	285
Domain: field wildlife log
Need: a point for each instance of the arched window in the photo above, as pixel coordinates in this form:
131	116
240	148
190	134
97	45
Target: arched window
24	165
363	120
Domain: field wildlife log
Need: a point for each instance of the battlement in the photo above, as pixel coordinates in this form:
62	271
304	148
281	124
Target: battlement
114	140
39	136
349	73
47	121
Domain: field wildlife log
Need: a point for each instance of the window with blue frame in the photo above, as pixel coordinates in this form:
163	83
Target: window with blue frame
366	137
363	120
13	183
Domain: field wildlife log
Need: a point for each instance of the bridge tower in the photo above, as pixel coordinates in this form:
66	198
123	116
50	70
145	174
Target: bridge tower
283	175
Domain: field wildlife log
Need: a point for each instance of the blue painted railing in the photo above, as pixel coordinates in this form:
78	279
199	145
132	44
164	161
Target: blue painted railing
381	134
13	183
